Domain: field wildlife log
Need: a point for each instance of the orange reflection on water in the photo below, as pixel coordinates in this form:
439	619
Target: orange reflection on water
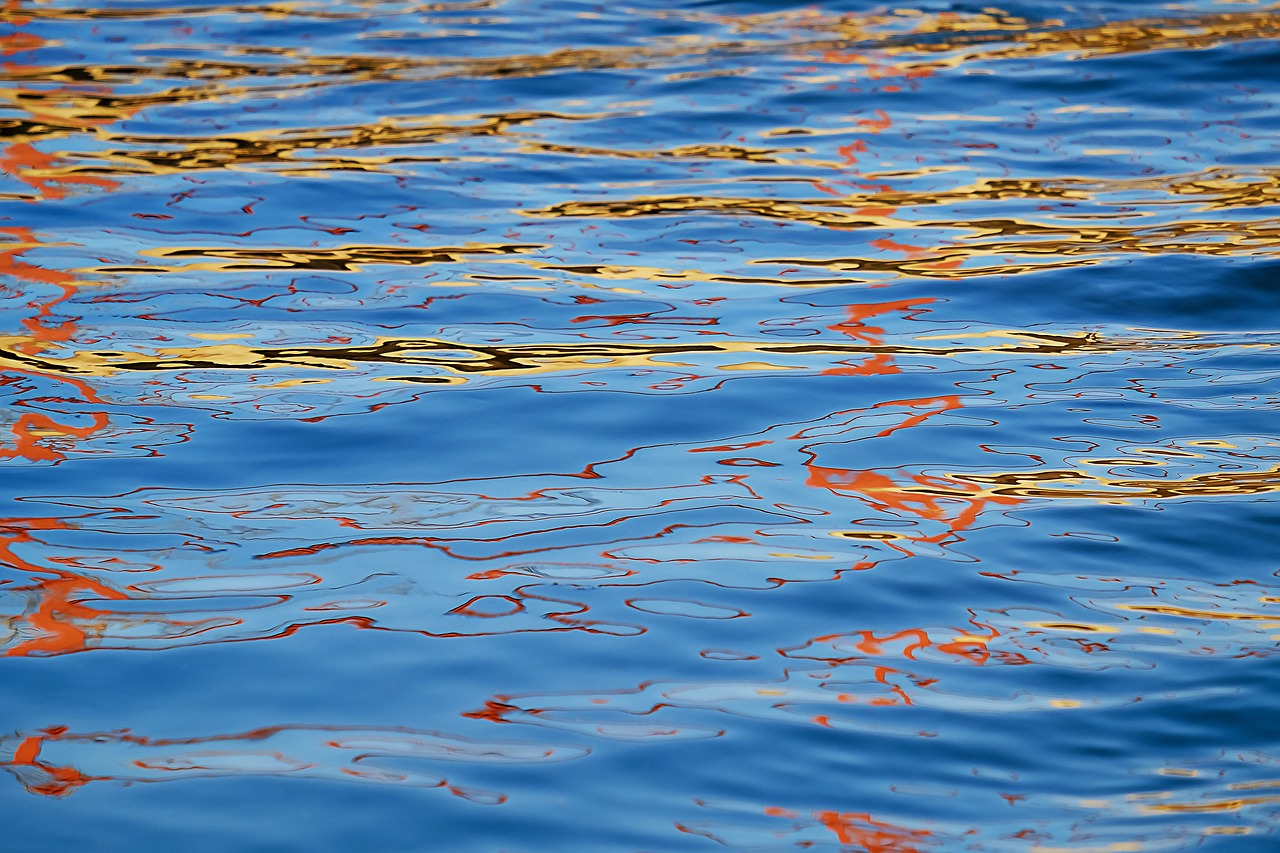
855	326
865	647
60	623
862	830
55	761
54	109
55	620
923	258
639	530
40	777
32	166
957	506
39	325
36	434
50	620
37	437
878	68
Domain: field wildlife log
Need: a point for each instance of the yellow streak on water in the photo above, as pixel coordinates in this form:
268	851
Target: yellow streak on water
1112	38
497	359
1032	484
1197	613
1212	806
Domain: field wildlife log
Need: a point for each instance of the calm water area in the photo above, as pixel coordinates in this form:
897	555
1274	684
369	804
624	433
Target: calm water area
679	425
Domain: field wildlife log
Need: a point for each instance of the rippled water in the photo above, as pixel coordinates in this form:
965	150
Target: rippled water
716	425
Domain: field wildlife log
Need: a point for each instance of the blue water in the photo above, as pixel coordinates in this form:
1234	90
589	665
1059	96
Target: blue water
662	427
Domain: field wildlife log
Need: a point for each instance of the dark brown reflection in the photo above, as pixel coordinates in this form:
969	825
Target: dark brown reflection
14	12
94	97
286	150
1156	33
744	153
345	258
972	240
462	360
47	110
1083	484
964	38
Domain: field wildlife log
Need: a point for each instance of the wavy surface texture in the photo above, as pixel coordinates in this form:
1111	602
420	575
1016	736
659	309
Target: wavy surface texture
546	425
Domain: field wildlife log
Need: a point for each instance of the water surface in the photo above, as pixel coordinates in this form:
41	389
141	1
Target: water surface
671	426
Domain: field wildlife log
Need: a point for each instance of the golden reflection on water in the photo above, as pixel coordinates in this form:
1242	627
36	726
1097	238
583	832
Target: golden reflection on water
1114	37
1058	242
528	359
1081	484
286	151
16	12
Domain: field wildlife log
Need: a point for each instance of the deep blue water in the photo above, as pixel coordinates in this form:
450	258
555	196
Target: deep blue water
552	426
